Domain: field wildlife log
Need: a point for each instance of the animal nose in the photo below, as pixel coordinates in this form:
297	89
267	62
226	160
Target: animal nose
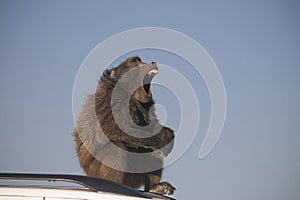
153	63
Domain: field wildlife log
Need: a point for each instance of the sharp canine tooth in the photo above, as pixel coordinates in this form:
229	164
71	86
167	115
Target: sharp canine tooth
153	71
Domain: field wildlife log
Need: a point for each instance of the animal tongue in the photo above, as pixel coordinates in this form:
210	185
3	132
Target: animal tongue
147	88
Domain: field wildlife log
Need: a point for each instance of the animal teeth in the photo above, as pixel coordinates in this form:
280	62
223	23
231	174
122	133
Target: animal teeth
153	71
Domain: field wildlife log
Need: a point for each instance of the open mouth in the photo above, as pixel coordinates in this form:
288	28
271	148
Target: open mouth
147	80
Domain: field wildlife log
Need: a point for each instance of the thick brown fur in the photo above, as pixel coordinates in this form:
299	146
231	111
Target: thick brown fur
96	117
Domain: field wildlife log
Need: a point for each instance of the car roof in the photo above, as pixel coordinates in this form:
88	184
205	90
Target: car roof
44	193
93	187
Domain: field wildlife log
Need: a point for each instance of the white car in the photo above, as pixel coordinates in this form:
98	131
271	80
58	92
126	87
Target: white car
88	188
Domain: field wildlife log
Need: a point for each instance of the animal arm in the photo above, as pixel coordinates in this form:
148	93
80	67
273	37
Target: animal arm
153	143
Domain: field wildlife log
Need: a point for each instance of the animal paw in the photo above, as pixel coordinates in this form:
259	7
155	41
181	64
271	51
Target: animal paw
163	188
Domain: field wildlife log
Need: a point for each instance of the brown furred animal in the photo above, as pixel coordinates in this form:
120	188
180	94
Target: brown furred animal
106	143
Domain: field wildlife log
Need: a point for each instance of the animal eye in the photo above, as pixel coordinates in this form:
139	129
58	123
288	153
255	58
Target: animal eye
135	60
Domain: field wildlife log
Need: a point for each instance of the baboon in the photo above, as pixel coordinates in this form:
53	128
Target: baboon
104	134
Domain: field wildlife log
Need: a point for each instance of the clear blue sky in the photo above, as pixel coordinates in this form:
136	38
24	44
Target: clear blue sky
255	45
